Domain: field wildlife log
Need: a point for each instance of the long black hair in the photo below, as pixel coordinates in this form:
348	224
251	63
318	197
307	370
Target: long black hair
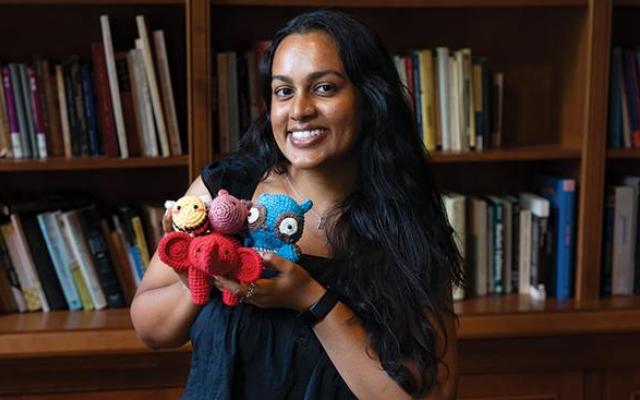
391	237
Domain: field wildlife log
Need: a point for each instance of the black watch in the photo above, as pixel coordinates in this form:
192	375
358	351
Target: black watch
318	310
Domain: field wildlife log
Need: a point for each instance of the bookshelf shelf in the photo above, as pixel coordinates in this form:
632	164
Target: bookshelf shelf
509	154
403	3
623	153
93	163
520	316
89	2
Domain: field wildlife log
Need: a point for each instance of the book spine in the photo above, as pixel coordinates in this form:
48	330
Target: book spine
81	251
53	239
113	86
443	94
79	109
90	110
6	149
16	85
12	277
28	112
120	261
89	221
74	124
153	85
126	99
145	97
38	115
55	142
64	114
14	130
42	262
137	102
162	62
105	107
73	265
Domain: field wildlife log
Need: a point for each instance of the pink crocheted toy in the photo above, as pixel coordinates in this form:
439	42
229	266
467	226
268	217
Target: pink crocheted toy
205	256
228	214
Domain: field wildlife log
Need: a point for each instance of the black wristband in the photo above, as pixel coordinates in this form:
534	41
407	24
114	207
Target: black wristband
319	309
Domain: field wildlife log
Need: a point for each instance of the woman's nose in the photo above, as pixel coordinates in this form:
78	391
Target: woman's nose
302	108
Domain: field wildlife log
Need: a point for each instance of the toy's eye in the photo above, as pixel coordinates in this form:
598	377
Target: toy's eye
289	227
256	217
178	208
195	206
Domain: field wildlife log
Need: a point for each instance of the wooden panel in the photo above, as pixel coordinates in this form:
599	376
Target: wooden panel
525	153
91	163
401	3
541	386
200	89
623	384
155	394
92	373
591	199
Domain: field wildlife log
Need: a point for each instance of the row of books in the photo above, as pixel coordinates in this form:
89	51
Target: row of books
65	254
238	93
621	251
457	100
122	106
517	244
624	99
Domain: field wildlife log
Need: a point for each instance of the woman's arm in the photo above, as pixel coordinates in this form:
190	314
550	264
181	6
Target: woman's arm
162	311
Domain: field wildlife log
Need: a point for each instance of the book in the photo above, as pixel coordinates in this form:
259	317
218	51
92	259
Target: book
624	220
561	194
64	116
9	271
6	149
454	204
60	258
497	233
37	113
89	219
158	112
54	127
479	235
443	94
104	109
25	97
166	86
114	89
90	110
142	97
134	144
42	263
541	243
81	251
12	117
16	86
120	258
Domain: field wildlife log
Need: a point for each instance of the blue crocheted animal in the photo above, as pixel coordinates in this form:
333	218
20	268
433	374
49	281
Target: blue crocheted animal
276	223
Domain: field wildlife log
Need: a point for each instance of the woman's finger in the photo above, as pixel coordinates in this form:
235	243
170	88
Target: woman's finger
276	262
229	284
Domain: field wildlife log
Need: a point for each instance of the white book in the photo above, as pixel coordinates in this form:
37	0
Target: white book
138	106
166	86
143	96
80	249
21	258
114	89
454	205
624	241
540	209
479	230
153	86
443	96
524	273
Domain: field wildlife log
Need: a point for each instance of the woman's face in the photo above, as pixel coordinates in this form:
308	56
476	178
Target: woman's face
313	104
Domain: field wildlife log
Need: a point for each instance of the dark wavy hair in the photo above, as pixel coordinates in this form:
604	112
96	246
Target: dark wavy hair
391	237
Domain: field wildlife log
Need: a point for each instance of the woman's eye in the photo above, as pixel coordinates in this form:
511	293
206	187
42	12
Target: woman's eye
283	91
325	89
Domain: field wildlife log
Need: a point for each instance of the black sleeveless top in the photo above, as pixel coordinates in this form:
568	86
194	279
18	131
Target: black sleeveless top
245	352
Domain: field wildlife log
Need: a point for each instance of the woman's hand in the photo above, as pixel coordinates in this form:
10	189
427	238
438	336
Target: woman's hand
292	288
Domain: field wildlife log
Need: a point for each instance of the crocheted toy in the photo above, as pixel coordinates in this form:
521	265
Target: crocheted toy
276	223
205	256
228	214
189	214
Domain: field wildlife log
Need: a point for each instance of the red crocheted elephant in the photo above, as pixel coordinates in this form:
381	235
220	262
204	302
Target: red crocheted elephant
209	255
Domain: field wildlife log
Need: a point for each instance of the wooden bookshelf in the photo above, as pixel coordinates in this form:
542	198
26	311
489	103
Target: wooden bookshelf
555	55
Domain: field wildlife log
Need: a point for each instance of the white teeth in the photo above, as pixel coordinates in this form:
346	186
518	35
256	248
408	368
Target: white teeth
306	134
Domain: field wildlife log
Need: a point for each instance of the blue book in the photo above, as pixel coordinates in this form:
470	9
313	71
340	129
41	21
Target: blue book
417	102
90	110
561	194
59	257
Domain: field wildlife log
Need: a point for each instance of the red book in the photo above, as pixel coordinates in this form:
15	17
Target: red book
408	67
104	107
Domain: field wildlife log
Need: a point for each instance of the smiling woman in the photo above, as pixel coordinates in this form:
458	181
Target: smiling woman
366	311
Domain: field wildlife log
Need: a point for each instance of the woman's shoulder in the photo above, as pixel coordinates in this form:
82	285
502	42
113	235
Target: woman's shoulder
236	173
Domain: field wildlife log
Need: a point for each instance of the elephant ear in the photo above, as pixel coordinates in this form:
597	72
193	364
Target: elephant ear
173	250
250	265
